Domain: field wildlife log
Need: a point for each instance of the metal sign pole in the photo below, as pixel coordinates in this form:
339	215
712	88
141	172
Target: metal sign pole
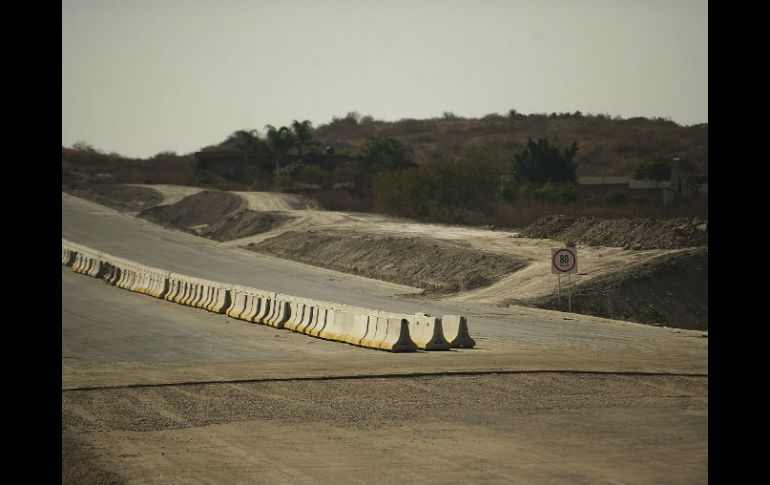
569	294
559	276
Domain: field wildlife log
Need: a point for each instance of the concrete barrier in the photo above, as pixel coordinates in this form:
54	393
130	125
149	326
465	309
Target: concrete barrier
296	309
309	318
174	285
239	302
325	317
358	330
427	332
221	301
332	321
456	331
397	337
274	309
208	295
250	307
196	294
265	307
281	313
67	256
377	320
334	325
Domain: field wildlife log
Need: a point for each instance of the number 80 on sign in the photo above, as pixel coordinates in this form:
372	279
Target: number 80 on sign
563	260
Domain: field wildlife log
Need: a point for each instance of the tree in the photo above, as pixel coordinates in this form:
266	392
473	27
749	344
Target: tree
83	146
303	134
656	170
279	140
245	141
381	153
541	162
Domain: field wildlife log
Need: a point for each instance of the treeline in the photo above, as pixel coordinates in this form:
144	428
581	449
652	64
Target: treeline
492	181
609	145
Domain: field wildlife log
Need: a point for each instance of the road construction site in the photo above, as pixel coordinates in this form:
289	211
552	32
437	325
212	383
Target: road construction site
157	392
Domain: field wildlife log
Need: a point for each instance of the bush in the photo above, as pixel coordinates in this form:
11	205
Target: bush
440	192
617	197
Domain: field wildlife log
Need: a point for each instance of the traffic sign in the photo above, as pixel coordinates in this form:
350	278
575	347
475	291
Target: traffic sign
563	260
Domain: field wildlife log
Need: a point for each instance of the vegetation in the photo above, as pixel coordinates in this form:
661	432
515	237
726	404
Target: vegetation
505	170
540	163
656	171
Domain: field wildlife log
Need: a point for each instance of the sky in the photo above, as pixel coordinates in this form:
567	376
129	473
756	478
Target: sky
142	77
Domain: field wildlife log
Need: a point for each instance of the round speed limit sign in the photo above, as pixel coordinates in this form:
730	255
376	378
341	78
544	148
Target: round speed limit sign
563	260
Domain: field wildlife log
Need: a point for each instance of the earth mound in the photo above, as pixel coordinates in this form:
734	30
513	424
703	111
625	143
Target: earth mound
123	198
636	233
221	216
437	266
671	290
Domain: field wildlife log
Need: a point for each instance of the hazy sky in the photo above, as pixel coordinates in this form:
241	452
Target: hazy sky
140	77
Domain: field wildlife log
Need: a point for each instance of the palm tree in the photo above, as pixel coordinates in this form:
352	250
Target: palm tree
279	140
303	134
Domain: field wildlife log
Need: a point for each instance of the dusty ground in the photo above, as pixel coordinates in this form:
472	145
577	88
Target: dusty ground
149	392
508	429
461	263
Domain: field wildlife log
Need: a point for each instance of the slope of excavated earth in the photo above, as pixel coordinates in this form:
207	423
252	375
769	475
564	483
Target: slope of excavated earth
124	198
670	290
221	216
636	233
436	265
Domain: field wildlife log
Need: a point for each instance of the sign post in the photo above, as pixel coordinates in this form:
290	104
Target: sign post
564	261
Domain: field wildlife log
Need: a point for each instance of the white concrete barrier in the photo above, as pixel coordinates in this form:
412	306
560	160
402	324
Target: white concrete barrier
427	332
251	307
239	302
309	318
397	337
456	331
221	301
265	307
328	320
280	313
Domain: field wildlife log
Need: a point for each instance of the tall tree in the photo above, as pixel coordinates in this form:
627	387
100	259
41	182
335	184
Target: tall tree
541	162
279	140
303	134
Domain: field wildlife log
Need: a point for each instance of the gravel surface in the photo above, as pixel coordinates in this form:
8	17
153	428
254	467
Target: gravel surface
540	428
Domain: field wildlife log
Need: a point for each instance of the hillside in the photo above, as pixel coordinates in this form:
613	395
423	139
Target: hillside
607	146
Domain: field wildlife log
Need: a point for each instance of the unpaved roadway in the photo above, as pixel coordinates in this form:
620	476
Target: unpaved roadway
155	392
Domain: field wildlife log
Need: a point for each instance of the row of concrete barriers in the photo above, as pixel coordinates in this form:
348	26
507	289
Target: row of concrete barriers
395	332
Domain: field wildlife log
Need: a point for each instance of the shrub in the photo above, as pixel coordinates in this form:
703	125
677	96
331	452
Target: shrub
617	196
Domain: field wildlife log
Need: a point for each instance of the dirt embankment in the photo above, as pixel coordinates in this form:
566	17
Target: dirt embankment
638	233
670	290
221	216
124	198
437	266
